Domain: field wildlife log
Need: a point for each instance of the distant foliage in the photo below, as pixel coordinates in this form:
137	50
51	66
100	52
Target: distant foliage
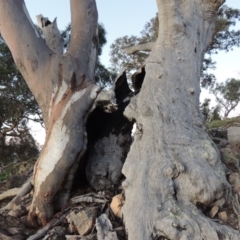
224	38
119	59
17	107
227	94
210	113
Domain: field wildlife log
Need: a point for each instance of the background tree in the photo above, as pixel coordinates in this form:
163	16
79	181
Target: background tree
209	113
119	59
227	94
224	38
17	108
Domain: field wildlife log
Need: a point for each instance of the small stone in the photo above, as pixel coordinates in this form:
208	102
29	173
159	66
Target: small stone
57	233
223	216
18	211
82	219
214	211
116	205
233	178
237	187
105	229
75	237
233	134
220	202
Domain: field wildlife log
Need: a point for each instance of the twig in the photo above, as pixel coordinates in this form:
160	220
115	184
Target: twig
41	233
25	189
9	193
90	198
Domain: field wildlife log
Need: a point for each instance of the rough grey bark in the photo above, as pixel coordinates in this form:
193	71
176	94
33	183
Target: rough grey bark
173	166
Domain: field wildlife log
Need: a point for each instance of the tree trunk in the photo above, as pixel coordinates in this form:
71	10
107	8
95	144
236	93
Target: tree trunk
173	166
64	88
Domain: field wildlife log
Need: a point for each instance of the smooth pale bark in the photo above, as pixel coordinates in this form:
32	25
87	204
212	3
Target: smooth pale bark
173	165
64	88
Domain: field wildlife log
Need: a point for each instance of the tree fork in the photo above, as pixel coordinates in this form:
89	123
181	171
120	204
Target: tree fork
64	88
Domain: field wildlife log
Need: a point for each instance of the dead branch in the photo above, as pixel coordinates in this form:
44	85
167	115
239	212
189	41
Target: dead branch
40	233
236	208
140	47
90	198
25	189
9	193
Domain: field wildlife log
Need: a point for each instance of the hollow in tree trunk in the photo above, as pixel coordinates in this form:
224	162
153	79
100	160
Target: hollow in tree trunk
173	167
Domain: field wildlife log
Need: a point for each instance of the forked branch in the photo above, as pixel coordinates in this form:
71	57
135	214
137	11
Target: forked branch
84	18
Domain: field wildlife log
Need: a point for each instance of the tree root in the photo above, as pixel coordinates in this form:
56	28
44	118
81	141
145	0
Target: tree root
90	198
9	193
236	208
24	190
191	224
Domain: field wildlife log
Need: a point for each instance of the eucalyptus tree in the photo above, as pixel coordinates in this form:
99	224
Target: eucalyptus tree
172	166
225	37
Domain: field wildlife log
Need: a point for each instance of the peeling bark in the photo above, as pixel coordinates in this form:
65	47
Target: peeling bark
64	88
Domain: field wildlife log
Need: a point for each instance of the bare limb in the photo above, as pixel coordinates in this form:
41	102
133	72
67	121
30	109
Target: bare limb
140	47
9	193
84	17
29	50
88	198
26	188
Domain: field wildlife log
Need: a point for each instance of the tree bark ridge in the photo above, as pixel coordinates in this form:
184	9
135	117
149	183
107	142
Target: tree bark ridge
176	165
32	56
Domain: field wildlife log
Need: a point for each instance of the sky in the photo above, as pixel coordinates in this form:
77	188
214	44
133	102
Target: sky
125	17
128	17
